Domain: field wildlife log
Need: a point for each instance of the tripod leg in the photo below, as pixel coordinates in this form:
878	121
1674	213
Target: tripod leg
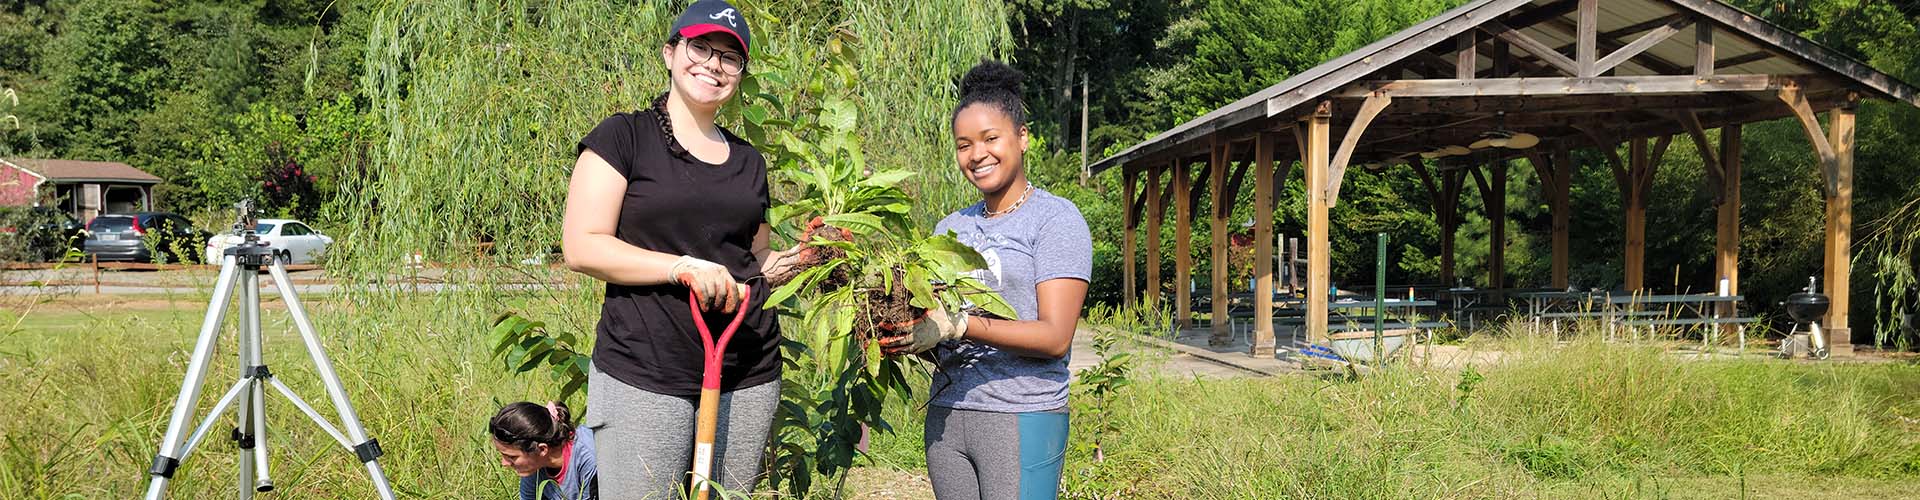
255	368
368	449
245	436
166	460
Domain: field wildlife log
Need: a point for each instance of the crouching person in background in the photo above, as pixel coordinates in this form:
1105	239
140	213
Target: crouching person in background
553	458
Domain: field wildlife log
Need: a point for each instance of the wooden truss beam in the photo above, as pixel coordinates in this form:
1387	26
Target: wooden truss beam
1542	51
1338	169
1641	44
1616	85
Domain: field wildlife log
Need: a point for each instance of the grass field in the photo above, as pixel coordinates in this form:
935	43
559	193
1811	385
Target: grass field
88	382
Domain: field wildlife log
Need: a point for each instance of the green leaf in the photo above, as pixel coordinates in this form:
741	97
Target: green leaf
921	289
573	385
756	114
949	253
862	224
507	329
874	358
886	178
839	115
802	281
991	302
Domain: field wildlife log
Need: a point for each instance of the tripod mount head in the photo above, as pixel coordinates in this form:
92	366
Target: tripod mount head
252	252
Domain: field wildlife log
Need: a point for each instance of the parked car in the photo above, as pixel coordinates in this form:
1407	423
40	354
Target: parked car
294	241
144	237
37	233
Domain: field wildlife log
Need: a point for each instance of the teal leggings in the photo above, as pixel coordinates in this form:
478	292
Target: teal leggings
988	455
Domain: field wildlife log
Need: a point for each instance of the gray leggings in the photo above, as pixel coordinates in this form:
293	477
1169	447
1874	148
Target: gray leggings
995	456
645	440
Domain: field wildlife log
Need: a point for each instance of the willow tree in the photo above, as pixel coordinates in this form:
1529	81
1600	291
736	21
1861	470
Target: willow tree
480	105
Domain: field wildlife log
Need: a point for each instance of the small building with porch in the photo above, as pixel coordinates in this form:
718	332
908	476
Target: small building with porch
1456	97
81	188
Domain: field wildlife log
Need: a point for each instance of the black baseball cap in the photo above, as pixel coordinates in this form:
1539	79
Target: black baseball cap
710	16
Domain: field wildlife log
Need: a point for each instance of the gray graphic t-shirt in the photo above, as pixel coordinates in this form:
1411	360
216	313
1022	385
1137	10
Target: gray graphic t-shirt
1045	239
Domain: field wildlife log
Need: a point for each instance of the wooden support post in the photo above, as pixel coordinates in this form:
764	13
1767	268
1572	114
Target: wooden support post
1555	173
1182	244
1495	199
1839	256
1222	282
1726	245
1263	187
1635	179
1129	241
1445	195
1446	202
1155	212
1318	156
1295	282
1834	148
1636	207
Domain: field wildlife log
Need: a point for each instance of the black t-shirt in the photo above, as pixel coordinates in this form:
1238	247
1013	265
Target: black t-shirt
680	205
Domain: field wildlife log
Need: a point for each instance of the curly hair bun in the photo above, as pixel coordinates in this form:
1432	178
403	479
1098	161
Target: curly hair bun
994	83
991	76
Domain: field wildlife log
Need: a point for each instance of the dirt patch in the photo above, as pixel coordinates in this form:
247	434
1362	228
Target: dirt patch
880	483
87	302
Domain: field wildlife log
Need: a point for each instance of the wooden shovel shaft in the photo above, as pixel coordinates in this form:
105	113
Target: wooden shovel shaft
708	416
703	435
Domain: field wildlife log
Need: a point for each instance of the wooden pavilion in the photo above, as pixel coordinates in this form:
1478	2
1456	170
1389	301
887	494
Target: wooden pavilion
1571	73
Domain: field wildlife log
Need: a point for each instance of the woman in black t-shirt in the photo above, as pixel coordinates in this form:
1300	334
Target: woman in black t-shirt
663	202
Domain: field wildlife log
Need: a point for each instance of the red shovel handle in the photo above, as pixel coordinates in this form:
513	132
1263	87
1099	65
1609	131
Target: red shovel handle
716	351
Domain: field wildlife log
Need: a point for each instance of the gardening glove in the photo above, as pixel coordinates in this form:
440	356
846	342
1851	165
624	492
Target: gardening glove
779	264
712	285
938	325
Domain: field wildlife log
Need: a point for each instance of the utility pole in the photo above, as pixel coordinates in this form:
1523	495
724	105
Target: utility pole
1084	173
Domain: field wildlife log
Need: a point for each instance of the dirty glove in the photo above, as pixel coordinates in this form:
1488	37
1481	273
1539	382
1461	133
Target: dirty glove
711	283
938	325
779	264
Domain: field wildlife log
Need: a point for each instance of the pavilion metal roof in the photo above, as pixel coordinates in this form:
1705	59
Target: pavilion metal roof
1745	43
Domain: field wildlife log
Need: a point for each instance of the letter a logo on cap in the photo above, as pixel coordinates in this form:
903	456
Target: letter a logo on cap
726	14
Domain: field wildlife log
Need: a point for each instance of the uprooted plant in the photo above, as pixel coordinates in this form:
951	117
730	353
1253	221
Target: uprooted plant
866	271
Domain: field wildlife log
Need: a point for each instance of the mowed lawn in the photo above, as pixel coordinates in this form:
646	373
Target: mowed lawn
89	382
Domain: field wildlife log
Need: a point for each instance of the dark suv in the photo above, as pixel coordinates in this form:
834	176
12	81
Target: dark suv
138	236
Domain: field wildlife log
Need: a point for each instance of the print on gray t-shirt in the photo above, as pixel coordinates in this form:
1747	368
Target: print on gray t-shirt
1045	239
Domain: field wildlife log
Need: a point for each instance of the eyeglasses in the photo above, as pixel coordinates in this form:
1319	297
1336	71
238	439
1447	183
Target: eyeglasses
700	52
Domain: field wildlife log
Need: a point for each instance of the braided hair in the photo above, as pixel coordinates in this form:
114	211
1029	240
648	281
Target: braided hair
524	425
993	83
666	128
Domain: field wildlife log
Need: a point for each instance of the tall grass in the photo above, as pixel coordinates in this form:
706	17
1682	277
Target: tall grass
87	405
1588	420
88	394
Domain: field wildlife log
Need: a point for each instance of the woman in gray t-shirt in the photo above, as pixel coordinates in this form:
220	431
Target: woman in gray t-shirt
997	423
